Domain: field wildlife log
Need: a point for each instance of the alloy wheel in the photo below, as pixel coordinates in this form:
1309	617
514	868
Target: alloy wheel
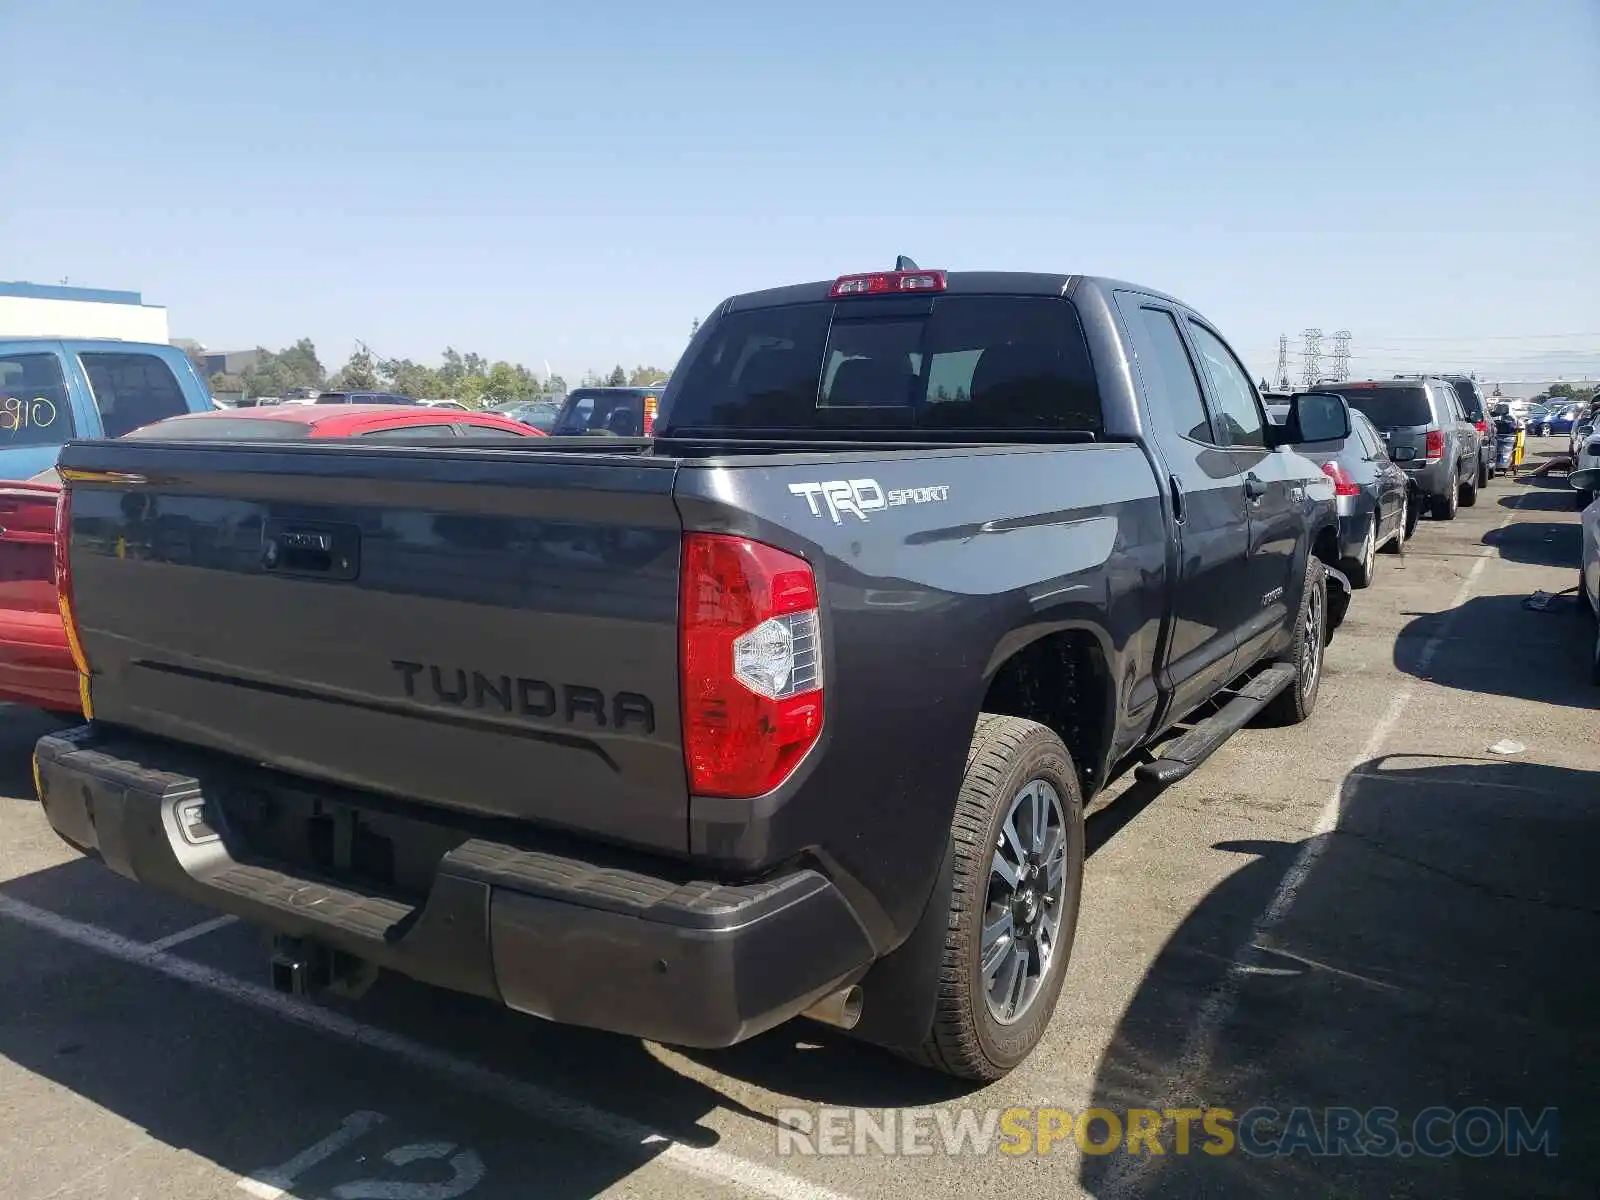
1311	644
1022	918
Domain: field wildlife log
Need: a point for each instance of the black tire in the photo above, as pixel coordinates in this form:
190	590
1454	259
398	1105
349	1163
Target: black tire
1297	701
1413	513
1485	473
1408	522
1007	754
1445	506
1469	493
1358	570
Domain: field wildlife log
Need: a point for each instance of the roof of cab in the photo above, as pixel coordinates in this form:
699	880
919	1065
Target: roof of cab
957	283
310	414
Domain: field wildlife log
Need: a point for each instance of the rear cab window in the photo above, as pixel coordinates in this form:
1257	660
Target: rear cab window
399	433
131	390
34	407
620	413
1403	406
227	429
1467	396
976	363
467	429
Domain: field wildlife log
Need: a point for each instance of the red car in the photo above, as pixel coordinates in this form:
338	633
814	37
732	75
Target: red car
36	667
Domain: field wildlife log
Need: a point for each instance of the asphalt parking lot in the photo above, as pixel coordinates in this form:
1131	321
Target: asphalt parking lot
1373	910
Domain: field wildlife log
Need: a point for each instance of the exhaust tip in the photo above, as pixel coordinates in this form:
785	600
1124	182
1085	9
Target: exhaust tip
841	1009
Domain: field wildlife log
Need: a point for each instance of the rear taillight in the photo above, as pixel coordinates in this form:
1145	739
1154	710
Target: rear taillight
1433	447
1481	426
69	620
649	416
751	647
1343	485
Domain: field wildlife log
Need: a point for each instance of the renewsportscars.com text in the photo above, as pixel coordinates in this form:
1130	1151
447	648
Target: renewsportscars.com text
1258	1132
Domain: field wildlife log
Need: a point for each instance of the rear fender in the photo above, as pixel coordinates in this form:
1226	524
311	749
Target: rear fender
1340	594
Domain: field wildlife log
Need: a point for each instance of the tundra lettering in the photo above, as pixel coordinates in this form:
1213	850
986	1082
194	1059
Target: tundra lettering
460	687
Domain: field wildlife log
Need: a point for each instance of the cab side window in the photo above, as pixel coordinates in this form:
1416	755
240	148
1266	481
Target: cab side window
132	390
34	408
1169	371
1239	419
1371	443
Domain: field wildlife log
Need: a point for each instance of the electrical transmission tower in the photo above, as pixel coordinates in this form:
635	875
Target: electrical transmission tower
1313	357
1341	354
1283	362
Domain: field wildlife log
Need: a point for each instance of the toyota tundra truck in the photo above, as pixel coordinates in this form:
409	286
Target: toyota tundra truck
791	709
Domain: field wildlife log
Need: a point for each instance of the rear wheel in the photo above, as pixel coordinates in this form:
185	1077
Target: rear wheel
1296	702
1018	837
1359	569
1445	506
1403	530
1469	492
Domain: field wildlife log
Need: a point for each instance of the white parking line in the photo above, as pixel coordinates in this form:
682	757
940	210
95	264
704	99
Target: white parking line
1194	1060
718	1166
194	931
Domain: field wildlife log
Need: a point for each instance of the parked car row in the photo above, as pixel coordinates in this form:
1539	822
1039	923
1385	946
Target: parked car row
1418	444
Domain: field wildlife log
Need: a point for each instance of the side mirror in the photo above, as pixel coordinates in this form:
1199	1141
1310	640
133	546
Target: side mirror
1586	480
1312	417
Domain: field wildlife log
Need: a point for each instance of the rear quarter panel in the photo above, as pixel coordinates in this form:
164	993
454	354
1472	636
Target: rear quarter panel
955	560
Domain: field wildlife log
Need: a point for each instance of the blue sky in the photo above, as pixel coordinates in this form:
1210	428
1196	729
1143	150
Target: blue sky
577	182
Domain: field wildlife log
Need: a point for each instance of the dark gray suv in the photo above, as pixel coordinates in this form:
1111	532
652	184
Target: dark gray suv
1427	434
1477	412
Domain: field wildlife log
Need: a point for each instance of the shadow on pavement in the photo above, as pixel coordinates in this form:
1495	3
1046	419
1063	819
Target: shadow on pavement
1438	953
1550	494
1538	543
20	728
1495	646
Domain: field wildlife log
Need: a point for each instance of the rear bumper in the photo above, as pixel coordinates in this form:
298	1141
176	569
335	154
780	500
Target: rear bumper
691	963
1432	479
36	667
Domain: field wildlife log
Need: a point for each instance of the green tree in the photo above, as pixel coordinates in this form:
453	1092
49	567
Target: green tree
646	377
1564	390
506	382
292	367
407	378
358	374
618	377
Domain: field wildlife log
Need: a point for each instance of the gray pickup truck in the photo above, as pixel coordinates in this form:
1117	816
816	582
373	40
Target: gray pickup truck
790	710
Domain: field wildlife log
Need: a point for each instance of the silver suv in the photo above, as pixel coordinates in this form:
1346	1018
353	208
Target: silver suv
1427	434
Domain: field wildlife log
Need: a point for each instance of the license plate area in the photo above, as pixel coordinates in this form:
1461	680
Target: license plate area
353	844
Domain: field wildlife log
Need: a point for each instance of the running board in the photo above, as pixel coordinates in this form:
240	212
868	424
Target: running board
1193	748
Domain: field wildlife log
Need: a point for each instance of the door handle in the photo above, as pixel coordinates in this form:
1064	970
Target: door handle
1177	498
1254	488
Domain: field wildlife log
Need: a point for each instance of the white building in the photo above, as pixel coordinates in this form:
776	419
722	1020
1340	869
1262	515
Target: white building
48	310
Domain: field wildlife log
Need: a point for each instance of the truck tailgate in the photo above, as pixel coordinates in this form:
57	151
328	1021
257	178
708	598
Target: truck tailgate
489	631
